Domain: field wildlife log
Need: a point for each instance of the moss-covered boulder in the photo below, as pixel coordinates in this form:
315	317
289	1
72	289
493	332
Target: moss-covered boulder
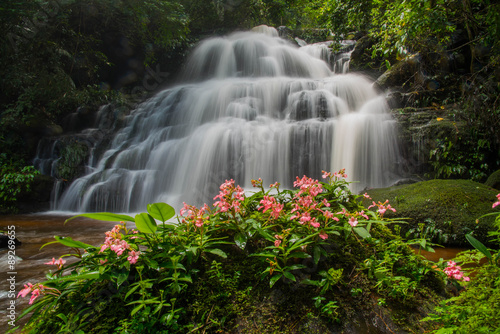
448	209
493	180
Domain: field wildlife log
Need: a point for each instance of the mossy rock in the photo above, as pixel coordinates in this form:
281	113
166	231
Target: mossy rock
447	208
493	180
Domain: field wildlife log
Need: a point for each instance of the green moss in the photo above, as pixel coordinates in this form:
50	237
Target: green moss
453	206
493	180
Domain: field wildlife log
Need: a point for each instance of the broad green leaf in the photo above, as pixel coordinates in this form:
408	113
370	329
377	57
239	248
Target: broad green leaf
67	241
296	266
137	309
161	211
478	245
122	277
310	282
274	279
289	275
145	223
300	255
104	216
217	251
129	292
240	239
362	232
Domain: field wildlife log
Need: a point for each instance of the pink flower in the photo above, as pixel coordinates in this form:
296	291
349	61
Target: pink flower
353	221
59	262
229	197
314	223
382	207
36	290
34	295
323	235
497	202
133	256
24	292
454	271
325	174
367	196
328	214
278	238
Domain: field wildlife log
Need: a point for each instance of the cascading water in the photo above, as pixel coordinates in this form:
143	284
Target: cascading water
252	106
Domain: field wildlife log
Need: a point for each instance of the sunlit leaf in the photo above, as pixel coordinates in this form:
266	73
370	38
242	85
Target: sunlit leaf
145	223
104	216
161	211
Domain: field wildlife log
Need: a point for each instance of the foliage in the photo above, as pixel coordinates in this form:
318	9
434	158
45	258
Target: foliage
14	179
476	308
204	270
463	158
71	160
57	56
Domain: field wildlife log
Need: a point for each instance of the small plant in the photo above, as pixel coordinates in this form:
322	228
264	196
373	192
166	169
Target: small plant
14	179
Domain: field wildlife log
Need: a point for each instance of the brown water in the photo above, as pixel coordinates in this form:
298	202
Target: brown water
34	231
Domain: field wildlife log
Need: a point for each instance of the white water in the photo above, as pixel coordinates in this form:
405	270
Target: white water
251	106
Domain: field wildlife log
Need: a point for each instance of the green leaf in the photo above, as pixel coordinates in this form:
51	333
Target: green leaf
161	211
362	232
274	279
217	251
137	309
104	216
478	245
296	266
269	255
145	223
67	241
289	275
240	239
75	277
300	255
310	282
122	277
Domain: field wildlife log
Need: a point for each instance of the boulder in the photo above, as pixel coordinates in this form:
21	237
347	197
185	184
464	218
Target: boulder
493	180
446	209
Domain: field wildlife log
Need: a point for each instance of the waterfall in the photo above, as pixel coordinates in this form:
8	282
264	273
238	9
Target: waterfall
250	106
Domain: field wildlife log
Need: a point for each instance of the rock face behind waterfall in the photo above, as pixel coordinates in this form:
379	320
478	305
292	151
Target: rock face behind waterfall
250	106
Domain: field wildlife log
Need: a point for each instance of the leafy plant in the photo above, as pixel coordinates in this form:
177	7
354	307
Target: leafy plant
175	276
14	179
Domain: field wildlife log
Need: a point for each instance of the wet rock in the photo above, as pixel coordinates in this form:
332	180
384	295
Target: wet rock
4	241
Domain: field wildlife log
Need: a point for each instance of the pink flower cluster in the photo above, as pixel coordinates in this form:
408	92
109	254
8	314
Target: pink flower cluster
270	203
36	291
114	241
352	217
59	262
382	207
194	215
336	176
305	203
278	240
497	202
455	272
229	197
